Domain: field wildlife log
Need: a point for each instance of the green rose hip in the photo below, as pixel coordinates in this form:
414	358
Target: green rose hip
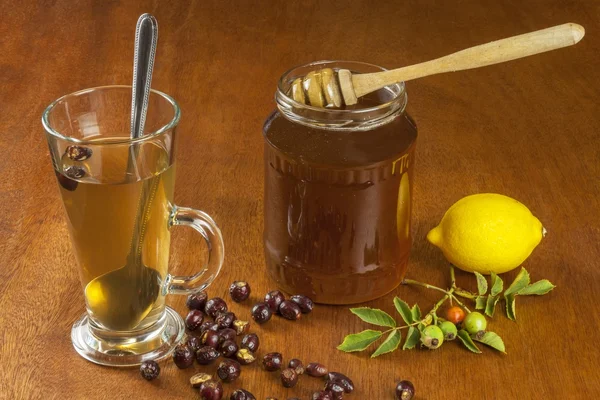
475	322
432	337
449	330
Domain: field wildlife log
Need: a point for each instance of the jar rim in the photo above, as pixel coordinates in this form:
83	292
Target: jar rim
339	119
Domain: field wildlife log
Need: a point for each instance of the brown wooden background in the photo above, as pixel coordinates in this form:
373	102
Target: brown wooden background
528	129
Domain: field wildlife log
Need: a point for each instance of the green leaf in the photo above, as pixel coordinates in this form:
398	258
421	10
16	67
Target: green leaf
510	306
481	283
467	341
497	285
412	338
539	288
403	310
519	283
374	316
490	305
480	302
416	313
359	341
390	344
493	340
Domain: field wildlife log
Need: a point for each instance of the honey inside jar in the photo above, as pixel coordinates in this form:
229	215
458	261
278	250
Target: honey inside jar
338	186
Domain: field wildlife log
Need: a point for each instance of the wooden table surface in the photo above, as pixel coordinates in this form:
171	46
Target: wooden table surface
529	129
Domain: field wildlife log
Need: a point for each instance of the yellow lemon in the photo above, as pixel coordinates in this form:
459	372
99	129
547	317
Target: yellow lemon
487	233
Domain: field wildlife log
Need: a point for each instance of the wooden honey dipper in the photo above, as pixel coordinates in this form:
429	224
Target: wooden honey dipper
328	88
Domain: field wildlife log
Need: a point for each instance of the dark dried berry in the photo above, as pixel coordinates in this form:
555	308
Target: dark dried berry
68	184
274	299
335	390
215	306
208	326
74	172
196	301
241	327
322	395
149	370
225	320
239	291
242	394
206	355
228	348
198	379
405	390
272	361
317	370
229	370
78	153
341	380
245	356
290	310
183	356
306	305
194	342
250	342
296	365
211	390
289	377
227	334
261	313
211	338
194	319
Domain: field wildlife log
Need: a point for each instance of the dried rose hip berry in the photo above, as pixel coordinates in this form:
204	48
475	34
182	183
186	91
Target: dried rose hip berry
211	390
149	370
405	390
206	355
245	356
215	306
225	320
296	365
242	394
239	291
78	153
211	338
250	342
306	305
228	348
194	342
290	310
183	356
261	313
289	377
341	380
196	301
194	319
229	370
317	370
199	379
274	299
272	361
66	183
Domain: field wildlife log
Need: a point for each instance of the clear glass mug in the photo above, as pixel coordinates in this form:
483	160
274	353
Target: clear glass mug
118	197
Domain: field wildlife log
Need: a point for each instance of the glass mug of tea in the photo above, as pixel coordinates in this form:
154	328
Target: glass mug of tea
118	197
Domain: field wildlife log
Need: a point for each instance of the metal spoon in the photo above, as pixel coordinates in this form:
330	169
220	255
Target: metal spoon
122	298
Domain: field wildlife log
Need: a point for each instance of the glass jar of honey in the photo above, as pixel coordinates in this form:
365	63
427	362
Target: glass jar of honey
338	191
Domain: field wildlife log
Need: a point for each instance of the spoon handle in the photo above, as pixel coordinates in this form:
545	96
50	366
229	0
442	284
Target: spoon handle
479	56
146	38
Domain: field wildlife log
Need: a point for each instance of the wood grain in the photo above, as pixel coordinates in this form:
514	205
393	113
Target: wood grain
528	129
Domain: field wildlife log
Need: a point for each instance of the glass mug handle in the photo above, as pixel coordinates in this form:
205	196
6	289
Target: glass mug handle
203	224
